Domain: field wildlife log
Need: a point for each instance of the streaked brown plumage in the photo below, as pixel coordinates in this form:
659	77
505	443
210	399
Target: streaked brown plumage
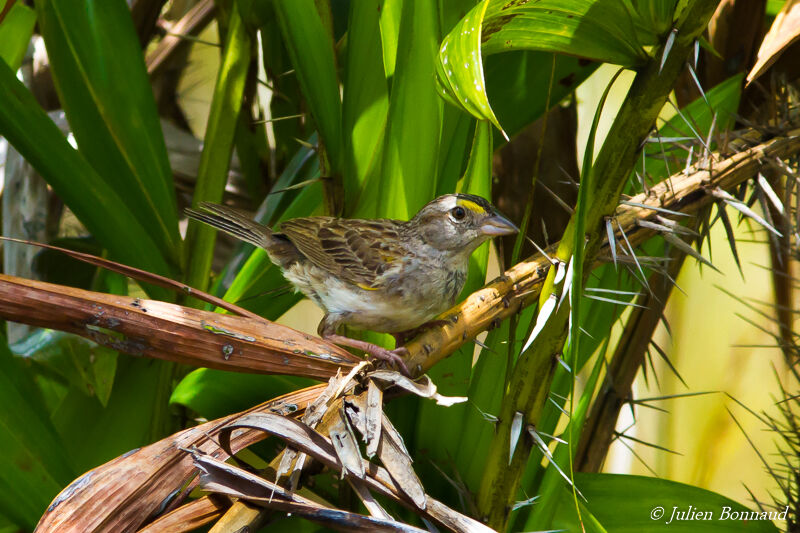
382	275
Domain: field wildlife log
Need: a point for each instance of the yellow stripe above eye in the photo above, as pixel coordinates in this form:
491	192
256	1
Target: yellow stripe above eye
472	206
367	287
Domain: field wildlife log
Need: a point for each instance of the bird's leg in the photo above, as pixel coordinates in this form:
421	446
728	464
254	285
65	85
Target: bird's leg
402	337
391	356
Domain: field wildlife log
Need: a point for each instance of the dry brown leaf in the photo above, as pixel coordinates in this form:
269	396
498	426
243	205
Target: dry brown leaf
422	386
141	275
785	31
190	516
224	478
162	330
346	446
377	479
373	416
124	493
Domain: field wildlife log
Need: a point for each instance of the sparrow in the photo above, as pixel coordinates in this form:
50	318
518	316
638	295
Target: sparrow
388	276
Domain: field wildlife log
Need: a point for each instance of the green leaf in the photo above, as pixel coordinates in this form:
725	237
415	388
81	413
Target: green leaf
412	137
365	101
626	503
85	365
438	427
601	30
99	73
652	19
459	70
15	34
96	204
391	14
215	393
136	414
218	145
310	47
33	465
518	84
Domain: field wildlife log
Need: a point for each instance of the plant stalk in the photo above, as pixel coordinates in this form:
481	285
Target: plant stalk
530	382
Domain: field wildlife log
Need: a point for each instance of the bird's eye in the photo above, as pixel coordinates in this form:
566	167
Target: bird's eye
458	213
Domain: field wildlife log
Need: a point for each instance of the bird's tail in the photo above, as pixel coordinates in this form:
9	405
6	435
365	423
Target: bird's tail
231	221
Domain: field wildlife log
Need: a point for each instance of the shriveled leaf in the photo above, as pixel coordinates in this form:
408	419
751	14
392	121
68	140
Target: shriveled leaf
121	494
423	387
226	479
320	448
346	446
373	417
193	515
395	457
785	31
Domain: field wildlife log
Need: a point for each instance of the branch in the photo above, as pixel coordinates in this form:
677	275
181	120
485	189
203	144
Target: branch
520	286
162	330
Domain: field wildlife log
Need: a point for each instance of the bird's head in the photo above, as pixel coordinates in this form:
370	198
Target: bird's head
460	222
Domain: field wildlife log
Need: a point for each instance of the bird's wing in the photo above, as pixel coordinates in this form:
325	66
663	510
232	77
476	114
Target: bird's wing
358	251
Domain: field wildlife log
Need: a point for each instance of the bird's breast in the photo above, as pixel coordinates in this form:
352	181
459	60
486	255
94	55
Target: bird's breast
401	301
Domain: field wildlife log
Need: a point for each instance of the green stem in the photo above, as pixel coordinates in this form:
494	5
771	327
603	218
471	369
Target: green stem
530	382
218	145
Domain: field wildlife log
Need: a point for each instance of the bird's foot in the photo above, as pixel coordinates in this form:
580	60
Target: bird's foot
392	357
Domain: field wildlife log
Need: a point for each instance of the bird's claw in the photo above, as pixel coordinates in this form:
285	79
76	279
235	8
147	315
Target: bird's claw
393	357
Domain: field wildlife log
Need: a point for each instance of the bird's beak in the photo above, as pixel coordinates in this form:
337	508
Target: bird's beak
496	225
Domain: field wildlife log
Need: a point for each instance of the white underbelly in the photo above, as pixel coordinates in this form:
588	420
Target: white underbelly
373	310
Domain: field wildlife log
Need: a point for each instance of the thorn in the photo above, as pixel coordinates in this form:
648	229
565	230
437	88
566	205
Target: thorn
558	200
633	254
516	431
687	249
612	243
541	251
726	222
654	208
697	83
770	192
668	47
743	208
